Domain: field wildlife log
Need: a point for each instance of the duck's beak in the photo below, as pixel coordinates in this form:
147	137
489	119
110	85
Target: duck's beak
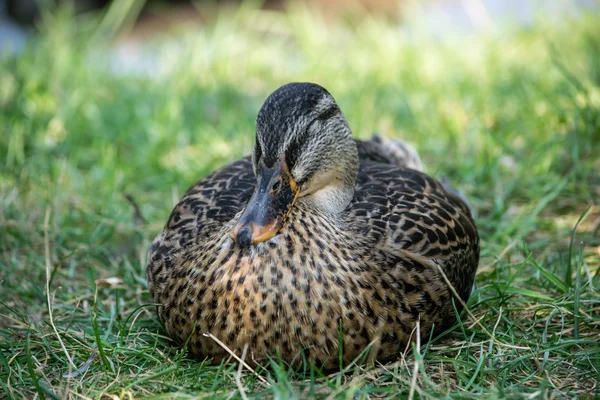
275	194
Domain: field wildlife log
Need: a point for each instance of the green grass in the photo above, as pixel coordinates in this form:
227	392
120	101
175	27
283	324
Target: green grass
511	116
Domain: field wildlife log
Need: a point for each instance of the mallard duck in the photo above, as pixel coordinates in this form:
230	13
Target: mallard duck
316	241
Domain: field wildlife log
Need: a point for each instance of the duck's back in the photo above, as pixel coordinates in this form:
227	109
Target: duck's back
412	215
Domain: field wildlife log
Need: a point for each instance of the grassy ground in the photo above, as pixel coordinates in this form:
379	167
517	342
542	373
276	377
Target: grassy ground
512	117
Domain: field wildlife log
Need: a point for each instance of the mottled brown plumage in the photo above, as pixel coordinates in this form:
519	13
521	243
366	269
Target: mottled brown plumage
365	265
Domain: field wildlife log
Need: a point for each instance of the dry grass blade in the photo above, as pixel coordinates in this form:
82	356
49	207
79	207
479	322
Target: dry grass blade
48	297
413	382
238	375
500	256
466	308
238	359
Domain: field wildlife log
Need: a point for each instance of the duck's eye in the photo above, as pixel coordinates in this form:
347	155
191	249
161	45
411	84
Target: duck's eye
276	187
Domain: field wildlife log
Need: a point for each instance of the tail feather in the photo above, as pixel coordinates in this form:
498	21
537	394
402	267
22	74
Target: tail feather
390	151
446	184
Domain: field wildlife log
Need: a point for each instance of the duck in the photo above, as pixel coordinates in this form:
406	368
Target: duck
317	247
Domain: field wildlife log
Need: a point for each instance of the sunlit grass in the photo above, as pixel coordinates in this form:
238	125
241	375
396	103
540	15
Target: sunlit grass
511	117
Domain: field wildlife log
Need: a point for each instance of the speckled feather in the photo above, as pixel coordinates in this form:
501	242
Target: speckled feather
372	273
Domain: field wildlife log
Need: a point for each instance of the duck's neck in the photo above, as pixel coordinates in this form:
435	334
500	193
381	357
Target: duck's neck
331	192
331	200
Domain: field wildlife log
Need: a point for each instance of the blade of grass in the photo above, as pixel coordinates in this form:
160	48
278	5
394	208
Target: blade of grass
99	343
577	294
569	270
506	289
31	368
555	280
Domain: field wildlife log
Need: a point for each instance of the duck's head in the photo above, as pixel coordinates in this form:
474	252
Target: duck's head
304	153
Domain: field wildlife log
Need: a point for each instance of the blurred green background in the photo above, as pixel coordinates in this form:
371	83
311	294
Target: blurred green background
108	115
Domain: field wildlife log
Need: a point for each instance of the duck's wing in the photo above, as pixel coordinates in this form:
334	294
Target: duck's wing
407	213
202	212
217	198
